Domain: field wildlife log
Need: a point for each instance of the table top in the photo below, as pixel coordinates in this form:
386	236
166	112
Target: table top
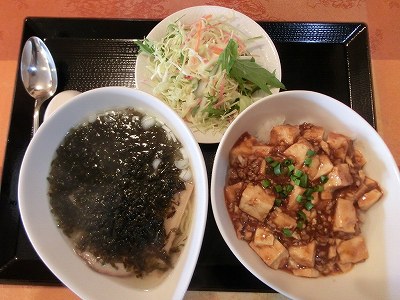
380	17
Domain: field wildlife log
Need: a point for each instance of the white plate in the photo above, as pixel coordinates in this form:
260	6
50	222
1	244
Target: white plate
263	49
376	278
49	241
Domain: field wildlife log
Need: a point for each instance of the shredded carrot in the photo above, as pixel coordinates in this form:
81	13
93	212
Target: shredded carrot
199	28
221	98
216	50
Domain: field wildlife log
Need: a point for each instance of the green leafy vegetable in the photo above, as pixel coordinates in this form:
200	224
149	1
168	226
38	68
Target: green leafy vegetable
229	56
145	46
246	69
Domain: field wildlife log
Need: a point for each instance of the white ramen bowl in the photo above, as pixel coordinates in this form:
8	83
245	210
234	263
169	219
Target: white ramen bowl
49	241
377	277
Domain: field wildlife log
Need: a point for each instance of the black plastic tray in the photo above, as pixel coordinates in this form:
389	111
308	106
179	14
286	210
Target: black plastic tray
331	58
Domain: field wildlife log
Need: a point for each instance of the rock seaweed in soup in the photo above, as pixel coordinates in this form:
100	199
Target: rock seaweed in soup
297	200
114	185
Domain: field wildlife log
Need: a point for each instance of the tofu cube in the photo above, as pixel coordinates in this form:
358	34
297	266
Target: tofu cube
298	152
262	150
339	177
243	147
314	133
353	250
275	256
285	134
282	220
306	272
304	255
292	202
325	166
339	145
358	158
256	201
263	237
345	267
332	251
345	217
369	199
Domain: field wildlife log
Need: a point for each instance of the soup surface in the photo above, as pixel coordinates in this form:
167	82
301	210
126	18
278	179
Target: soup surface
112	185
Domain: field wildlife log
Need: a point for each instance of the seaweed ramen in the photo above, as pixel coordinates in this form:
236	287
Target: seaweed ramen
120	188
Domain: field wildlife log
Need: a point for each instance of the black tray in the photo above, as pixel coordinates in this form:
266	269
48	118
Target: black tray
331	58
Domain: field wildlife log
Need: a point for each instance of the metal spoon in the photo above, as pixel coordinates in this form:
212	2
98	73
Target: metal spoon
38	73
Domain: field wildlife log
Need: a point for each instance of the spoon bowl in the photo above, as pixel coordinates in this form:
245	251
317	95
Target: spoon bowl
38	74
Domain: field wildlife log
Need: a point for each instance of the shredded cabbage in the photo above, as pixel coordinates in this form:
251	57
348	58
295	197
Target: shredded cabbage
189	79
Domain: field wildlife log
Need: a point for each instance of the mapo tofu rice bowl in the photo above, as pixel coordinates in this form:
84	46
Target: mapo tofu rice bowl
119	196
298	185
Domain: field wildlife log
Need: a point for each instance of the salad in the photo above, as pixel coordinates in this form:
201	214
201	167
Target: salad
205	73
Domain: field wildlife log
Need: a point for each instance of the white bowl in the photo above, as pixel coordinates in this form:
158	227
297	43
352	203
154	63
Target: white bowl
263	49
50	243
378	276
58	101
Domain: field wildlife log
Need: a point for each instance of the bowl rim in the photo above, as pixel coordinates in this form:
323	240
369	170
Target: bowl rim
220	215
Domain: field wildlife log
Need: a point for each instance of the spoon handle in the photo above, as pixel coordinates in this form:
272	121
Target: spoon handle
36	117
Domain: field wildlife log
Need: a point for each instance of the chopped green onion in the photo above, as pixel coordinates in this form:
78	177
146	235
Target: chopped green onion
269	159
277	169
278	202
299	198
278	188
265	183
323	179
301	215
287	162
308	161
319	188
303	181
298	173
308	205
274	163
290	168
296	181
287	232
308	192
300	224
288	188
310	153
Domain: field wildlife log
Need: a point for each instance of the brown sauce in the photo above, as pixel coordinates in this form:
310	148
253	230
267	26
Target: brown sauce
314	222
